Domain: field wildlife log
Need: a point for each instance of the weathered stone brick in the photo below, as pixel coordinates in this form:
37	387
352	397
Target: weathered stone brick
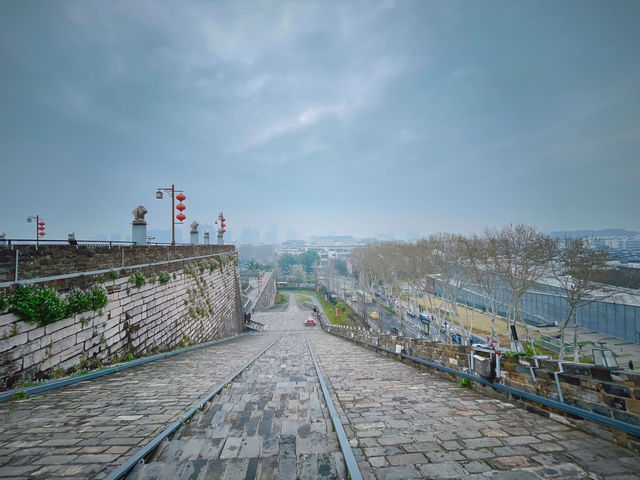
618	390
13	342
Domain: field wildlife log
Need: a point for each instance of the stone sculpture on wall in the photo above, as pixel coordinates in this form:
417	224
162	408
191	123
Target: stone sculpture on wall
138	215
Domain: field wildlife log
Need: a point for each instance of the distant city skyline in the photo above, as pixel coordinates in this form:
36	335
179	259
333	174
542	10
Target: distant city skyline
356	117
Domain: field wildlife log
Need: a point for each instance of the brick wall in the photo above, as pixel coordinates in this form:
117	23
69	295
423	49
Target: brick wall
595	389
51	260
202	303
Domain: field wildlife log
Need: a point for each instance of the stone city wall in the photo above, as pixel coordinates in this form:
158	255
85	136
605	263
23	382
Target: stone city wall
201	301
53	260
267	296
614	394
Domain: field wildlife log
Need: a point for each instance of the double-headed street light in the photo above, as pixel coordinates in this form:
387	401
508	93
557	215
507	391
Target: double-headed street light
40	227
180	216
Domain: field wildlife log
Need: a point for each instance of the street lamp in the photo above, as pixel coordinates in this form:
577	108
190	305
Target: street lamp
181	216
40	227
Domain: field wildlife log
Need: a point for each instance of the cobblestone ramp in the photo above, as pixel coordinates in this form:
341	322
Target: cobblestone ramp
405	423
86	430
271	423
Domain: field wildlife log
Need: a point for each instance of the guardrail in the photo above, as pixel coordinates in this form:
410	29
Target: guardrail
11	242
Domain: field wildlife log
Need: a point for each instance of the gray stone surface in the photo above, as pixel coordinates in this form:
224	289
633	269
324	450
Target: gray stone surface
93	426
274	415
407	423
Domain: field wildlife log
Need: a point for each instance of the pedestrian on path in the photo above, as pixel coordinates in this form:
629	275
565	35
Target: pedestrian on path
630	364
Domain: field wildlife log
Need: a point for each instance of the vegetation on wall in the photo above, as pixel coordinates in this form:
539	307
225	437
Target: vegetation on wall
137	279
43	305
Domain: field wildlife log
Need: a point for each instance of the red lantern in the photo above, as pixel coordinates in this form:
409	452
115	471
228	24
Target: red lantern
42	234
180	197
181	216
180	207
223	230
41	227
41	223
223	219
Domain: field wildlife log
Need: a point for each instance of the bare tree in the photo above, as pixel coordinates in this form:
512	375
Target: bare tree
449	255
575	267
523	256
484	271
415	264
366	261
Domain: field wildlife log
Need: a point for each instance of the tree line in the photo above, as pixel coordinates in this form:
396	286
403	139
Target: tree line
510	260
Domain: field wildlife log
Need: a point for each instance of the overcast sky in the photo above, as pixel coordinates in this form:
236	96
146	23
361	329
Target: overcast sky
351	117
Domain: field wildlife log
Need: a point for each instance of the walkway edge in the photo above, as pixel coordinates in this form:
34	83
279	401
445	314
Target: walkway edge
35	389
350	459
123	469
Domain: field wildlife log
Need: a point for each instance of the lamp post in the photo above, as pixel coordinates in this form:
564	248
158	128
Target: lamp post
40	227
181	216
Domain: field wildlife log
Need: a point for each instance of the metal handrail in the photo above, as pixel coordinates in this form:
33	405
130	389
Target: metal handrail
11	241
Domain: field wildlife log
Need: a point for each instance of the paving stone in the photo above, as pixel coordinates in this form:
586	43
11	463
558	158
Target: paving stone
442	470
406	459
397	473
476	467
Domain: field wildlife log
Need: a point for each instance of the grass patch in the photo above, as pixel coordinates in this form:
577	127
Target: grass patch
346	316
465	382
303	299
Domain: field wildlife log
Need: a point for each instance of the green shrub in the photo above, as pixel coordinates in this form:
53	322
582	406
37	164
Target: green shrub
164	277
113	274
99	298
137	279
38	305
77	302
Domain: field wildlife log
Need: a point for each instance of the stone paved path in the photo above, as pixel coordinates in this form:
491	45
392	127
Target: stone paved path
271	423
404	423
86	430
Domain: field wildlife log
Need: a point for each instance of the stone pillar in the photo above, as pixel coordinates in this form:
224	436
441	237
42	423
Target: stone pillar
139	226
3	239
220	238
194	233
207	239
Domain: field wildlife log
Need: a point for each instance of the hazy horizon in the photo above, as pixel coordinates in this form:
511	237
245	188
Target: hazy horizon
358	118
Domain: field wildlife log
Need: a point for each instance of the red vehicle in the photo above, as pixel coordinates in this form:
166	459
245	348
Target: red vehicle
310	322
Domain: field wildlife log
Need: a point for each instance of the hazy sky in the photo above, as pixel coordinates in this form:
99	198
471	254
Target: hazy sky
352	117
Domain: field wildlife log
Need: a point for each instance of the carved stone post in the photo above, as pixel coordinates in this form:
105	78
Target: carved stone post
139	226
194	233
207	238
